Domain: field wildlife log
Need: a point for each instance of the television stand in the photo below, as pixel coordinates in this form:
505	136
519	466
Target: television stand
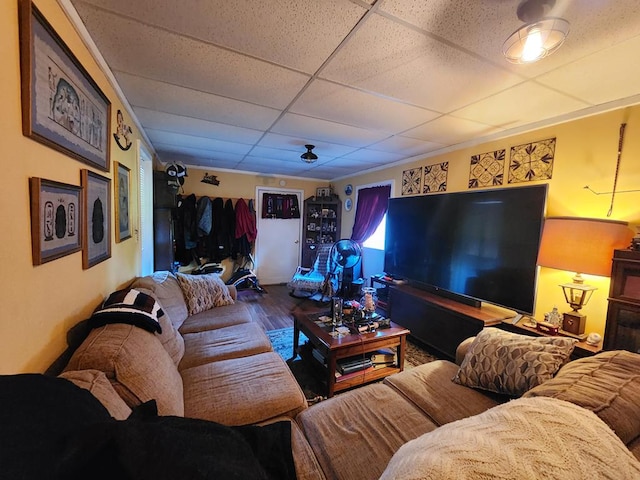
439	322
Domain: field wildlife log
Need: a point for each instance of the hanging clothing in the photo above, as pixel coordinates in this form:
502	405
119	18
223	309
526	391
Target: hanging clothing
245	221
204	216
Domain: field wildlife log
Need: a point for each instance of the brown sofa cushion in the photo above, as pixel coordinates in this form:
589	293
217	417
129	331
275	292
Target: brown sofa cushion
224	343
355	434
203	292
218	317
97	383
166	289
241	391
135	363
608	384
430	388
510	364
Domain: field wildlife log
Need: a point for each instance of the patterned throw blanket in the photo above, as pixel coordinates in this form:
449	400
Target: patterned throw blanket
528	438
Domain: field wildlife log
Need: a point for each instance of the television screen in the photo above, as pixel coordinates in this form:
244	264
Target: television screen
480	245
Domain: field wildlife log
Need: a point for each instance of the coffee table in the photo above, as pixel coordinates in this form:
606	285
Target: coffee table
330	349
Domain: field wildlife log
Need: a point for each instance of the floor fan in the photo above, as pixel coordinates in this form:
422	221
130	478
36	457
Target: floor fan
346	254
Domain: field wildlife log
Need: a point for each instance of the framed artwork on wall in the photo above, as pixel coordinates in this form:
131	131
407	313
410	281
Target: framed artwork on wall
62	106
56	213
122	186
96	238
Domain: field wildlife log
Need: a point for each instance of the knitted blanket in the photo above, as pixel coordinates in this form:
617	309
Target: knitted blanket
528	438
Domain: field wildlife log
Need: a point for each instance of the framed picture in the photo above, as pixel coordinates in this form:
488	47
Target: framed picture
56	213
62	107
96	238
123	179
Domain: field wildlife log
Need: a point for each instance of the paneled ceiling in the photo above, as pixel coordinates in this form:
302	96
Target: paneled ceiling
245	84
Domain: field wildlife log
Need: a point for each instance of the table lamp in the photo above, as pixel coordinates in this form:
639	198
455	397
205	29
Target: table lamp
581	245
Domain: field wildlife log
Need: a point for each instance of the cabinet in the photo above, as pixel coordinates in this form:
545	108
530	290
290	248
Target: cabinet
623	315
321	224
439	322
164	204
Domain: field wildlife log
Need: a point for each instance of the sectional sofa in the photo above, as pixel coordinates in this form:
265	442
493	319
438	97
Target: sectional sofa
510	407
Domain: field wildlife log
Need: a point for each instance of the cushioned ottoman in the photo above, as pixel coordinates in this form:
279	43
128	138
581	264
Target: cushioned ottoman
241	391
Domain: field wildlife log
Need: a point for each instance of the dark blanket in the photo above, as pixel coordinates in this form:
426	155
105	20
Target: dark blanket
52	429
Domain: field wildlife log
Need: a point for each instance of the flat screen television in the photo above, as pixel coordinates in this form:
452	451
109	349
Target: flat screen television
473	246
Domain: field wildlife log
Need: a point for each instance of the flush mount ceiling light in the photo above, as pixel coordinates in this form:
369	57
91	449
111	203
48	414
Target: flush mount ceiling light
309	156
539	37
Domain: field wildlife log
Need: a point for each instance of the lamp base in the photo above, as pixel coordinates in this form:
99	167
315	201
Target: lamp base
574	322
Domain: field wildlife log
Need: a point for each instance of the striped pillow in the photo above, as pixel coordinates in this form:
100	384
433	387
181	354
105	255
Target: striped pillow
129	306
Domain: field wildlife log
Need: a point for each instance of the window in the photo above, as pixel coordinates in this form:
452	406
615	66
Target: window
376	241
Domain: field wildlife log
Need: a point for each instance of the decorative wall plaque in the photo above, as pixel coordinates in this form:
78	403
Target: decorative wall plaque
411	181
532	161
435	177
487	169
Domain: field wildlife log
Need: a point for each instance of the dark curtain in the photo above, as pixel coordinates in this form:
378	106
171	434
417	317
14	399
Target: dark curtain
370	209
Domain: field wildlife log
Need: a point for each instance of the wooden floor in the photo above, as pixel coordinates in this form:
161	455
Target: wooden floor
273	309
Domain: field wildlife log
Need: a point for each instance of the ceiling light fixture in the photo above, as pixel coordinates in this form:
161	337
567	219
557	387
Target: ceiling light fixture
309	156
539	37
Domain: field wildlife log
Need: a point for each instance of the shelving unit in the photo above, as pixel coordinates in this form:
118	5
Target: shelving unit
321	224
623	316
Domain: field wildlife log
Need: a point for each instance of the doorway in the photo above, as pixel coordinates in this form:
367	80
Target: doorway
277	253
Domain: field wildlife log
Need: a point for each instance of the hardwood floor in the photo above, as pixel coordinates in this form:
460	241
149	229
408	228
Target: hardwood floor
273	309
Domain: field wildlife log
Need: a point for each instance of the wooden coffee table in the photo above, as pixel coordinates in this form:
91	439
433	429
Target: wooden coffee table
332	349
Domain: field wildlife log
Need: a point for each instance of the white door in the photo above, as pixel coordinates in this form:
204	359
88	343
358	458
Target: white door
277	252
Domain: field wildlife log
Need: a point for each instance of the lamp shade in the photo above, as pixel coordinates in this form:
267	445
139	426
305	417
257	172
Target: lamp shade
583	245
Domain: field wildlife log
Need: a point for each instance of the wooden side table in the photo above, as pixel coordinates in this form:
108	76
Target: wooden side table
582	349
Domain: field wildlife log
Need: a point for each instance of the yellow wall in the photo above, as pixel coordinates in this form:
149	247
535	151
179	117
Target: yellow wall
586	154
40	303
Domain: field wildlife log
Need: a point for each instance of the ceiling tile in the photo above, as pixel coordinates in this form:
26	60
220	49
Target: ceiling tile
450	130
185	102
180	140
520	105
284	142
192	126
373	156
130	46
406	146
300	34
337	103
598	85
207	156
414	68
315	129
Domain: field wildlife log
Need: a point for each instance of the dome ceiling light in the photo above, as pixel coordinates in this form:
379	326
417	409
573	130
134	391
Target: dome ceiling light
539	37
309	156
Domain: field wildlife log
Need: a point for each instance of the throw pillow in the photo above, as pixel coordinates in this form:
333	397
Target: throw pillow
129	306
508	363
608	384
203	292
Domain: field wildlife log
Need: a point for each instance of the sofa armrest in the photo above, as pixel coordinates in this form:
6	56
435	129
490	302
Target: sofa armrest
462	349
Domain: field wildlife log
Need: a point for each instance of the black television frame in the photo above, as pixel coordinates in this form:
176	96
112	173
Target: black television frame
450	202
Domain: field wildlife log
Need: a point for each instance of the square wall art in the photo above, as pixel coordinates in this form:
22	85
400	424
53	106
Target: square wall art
435	177
532	161
411	181
487	169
